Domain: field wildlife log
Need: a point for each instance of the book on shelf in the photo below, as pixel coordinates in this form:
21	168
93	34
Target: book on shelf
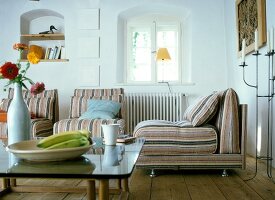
57	55
62	53
51	53
54	52
47	53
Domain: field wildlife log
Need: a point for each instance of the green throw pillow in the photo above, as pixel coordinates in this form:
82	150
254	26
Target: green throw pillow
101	109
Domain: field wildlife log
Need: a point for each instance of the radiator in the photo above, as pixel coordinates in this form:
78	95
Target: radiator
148	106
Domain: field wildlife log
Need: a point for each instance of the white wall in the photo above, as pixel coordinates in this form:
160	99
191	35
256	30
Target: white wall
206	44
235	79
211	46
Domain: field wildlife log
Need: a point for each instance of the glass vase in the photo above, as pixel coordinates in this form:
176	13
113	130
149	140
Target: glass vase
19	121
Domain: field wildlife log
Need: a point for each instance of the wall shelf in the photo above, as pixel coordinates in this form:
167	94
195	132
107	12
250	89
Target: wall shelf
48	60
35	37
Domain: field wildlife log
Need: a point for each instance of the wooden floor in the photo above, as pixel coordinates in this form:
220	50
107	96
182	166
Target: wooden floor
174	185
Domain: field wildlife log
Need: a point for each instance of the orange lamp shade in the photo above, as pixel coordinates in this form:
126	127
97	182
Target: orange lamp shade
163	54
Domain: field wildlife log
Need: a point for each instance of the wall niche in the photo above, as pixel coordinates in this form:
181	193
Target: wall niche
33	29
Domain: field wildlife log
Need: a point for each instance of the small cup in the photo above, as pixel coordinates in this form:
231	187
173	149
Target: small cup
110	132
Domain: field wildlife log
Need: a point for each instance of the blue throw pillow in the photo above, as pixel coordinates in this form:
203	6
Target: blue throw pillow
101	109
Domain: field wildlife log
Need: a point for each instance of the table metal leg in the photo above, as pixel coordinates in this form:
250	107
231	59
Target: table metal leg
91	192
103	193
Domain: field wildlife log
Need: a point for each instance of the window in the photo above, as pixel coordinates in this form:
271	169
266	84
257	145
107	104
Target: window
143	41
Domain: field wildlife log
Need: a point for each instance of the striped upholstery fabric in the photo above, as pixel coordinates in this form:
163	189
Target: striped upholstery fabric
204	161
98	92
41	127
78	106
167	138
229	132
5	103
219	145
3	130
202	111
43	106
94	125
46	93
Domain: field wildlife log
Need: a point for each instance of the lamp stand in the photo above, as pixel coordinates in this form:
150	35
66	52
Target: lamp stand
162	69
268	157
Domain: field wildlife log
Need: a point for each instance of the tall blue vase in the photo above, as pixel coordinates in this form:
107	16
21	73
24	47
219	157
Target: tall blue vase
19	121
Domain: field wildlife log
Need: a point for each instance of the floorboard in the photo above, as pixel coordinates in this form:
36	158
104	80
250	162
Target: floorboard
201	186
172	185
169	185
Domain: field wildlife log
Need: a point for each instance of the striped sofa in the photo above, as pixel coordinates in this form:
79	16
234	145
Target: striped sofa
78	105
211	136
44	110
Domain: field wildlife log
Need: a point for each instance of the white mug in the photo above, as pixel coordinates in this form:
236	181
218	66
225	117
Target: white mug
110	132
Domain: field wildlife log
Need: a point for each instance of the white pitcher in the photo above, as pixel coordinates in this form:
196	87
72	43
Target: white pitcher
110	132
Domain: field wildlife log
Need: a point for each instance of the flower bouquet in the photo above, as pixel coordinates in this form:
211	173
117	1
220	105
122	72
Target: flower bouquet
18	116
16	72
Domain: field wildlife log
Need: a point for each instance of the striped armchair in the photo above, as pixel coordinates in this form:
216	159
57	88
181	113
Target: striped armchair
44	110
78	105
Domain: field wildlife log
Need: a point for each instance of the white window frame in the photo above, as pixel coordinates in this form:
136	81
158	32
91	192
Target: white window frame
153	25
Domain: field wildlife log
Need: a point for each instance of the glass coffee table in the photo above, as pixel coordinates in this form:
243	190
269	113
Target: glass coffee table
101	163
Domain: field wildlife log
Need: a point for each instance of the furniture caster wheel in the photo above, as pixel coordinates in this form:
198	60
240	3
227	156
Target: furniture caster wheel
224	173
153	174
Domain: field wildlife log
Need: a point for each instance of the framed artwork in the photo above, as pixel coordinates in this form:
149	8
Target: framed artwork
250	15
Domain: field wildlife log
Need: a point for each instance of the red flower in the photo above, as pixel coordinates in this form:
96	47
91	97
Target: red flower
37	88
9	70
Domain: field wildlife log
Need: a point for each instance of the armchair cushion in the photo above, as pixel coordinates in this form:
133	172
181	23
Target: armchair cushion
202	111
79	105
102	109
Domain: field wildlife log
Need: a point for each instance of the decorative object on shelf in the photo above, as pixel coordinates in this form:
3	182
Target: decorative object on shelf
18	115
251	15
50	31
35	53
163	55
269	97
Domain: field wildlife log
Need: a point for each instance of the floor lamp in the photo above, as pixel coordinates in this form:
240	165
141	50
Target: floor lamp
162	56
